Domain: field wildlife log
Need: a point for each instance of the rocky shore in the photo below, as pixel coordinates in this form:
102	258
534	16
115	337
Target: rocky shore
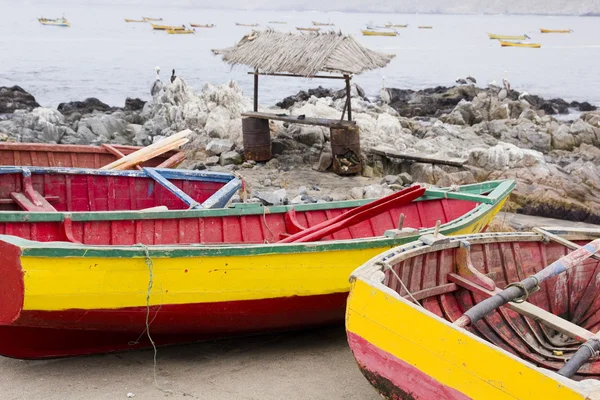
556	162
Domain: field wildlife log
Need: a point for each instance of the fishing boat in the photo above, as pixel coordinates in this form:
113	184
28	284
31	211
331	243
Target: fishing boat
390	25
135	20
308	29
227	276
555	30
485	316
147	19
278	22
519	44
202	26
57	190
323	23
367	32
180	31
252	25
425	27
167	27
62	22
78	156
508	37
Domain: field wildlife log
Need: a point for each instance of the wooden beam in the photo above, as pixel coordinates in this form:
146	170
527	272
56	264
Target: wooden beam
567	243
455	162
297	76
256	90
330	123
116	152
164	182
348	97
529	310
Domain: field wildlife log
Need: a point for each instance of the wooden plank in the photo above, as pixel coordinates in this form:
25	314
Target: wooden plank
298	76
330	123
455	162
567	243
529	310
172	188
116	152
222	196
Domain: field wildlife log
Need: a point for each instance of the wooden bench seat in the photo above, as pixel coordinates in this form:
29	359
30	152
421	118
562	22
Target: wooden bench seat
330	123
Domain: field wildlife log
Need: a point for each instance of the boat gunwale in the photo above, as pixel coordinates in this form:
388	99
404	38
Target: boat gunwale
497	190
67	249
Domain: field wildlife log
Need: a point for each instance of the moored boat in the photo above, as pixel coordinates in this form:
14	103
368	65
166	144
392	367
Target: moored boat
78	156
407	308
308	29
202	26
180	31
390	25
70	299
425	27
519	44
508	37
135	20
240	24
367	32
147	19
157	27
542	30
323	23
62	22
278	22
64	190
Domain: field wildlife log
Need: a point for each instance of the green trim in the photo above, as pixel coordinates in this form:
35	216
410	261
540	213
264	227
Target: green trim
63	249
493	190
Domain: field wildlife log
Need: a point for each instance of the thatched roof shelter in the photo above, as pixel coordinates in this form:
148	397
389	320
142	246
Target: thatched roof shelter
303	54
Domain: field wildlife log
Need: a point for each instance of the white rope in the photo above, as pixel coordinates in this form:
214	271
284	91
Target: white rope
387	266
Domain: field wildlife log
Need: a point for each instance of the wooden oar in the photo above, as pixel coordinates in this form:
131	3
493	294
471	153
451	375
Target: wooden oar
521	290
360	217
348	214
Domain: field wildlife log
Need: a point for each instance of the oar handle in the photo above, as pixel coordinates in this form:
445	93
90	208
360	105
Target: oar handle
480	310
583	355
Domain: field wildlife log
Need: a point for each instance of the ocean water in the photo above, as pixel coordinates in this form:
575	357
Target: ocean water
102	56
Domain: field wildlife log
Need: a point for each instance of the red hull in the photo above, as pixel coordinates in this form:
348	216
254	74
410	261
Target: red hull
76	156
79	332
256	228
394	378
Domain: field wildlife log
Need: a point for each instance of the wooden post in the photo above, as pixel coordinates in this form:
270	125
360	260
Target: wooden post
256	90
348	97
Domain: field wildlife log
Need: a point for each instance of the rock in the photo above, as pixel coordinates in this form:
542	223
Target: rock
562	139
302	190
390	179
367	171
276	198
302	95
216	147
357	193
16	98
297	200
211	161
134	104
230	157
273	163
426	173
199	166
406	178
247	165
325	159
530	115
456	178
308	134
88	106
585	106
373	191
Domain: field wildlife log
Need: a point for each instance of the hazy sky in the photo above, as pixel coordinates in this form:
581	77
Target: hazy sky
571	7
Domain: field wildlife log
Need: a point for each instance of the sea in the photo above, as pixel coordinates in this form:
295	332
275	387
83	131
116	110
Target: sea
102	56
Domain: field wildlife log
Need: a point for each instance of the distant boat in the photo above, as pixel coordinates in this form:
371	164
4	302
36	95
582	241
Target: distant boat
367	32
389	25
134	20
519	44
508	37
278	22
425	27
151	19
167	27
555	30
62	22
253	25
180	31
202	26
308	29
323	23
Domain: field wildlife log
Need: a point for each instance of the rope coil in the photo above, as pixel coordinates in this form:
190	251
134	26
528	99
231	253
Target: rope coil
528	293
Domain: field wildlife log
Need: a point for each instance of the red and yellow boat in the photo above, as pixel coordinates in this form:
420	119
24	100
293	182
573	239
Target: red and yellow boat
405	315
223	276
78	156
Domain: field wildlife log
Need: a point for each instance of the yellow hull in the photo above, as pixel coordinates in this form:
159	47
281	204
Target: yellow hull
396	26
205	275
455	360
425	27
167	27
507	37
513	44
555	30
134	20
180	31
308	29
377	33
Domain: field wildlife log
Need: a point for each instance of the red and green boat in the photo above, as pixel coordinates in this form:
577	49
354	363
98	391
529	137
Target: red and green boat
189	275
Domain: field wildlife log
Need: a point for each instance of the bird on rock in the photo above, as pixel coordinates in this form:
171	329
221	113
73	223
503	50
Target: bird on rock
173	77
157	85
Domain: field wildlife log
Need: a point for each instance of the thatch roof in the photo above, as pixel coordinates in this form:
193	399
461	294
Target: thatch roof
303	54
